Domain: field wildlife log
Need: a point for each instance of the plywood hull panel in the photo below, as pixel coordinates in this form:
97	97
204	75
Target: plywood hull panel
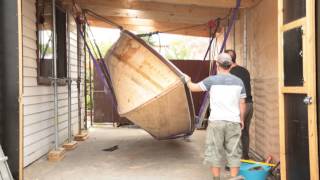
150	91
162	118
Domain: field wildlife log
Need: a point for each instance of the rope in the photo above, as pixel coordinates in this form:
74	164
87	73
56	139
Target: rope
98	16
215	25
102	72
93	39
182	28
234	14
170	30
96	56
213	36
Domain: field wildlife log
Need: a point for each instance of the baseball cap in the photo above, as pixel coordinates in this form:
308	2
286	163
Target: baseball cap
224	58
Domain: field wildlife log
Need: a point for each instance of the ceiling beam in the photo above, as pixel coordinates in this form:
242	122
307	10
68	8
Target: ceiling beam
208	3
178	29
152	10
151	23
154	15
152	6
144	22
146	16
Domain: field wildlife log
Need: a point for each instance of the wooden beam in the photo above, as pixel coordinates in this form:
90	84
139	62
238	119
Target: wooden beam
310	57
153	6
133	4
208	3
154	15
147	22
145	16
152	10
195	31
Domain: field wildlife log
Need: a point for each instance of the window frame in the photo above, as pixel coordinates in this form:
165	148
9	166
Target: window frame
43	80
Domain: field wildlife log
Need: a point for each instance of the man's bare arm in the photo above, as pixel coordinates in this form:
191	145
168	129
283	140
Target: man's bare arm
194	87
242	111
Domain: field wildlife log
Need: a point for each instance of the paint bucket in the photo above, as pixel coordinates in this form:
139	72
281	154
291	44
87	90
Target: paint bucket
254	171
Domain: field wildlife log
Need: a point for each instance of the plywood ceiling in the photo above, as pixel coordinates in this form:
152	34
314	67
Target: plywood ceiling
160	15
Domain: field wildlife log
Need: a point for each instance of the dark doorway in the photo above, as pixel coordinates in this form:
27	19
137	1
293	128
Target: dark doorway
103	108
197	70
9	84
297	141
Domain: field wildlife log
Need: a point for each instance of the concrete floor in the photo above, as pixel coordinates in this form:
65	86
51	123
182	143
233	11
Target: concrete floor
139	157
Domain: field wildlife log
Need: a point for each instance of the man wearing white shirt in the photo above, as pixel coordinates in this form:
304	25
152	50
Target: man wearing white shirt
227	105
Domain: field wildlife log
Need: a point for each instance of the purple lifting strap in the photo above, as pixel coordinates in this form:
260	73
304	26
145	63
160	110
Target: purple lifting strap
234	14
99	71
100	74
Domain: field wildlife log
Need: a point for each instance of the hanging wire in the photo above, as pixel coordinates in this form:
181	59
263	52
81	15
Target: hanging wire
93	39
171	30
228	15
212	36
98	16
183	28
44	51
159	43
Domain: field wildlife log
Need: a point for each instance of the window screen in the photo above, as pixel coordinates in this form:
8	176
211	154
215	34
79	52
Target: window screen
293	10
293	56
297	141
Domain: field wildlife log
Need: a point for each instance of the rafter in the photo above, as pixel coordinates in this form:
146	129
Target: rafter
159	15
154	15
208	3
152	10
179	29
151	6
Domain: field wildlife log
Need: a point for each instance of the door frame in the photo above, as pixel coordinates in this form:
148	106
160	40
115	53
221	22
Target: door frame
318	64
309	87
12	85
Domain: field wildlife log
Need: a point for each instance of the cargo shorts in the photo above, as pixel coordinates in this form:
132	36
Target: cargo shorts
223	144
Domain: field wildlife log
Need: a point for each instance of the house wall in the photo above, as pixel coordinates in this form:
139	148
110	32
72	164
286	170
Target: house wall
38	99
263	66
260	56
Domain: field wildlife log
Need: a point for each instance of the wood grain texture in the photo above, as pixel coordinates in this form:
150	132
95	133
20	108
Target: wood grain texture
149	89
312	91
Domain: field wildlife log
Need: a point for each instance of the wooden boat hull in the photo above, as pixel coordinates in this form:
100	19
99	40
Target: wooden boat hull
150	91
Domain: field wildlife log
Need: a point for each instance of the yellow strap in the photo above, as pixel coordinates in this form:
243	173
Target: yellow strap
255	162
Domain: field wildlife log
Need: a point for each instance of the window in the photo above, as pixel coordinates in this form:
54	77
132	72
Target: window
293	57
293	10
45	43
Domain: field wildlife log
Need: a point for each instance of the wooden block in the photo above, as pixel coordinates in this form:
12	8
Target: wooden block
56	155
70	146
81	137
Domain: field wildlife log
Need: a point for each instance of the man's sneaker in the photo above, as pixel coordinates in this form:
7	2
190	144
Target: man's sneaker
227	168
216	178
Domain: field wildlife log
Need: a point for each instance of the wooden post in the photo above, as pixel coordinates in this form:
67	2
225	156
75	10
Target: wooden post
311	88
81	136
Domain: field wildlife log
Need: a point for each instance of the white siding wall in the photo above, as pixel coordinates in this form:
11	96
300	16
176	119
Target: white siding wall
38	100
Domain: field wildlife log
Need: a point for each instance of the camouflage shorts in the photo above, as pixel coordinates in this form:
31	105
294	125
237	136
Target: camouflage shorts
223	144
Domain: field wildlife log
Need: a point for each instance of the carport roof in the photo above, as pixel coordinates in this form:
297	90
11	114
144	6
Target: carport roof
160	15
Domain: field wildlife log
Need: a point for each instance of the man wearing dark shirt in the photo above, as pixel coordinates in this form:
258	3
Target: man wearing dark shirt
244	75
